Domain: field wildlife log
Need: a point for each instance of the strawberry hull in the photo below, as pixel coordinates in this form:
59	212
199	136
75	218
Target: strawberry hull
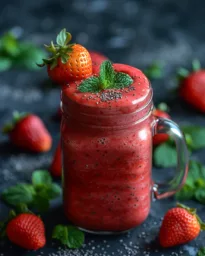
107	152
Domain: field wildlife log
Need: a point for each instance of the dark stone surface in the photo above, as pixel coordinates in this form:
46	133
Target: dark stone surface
133	32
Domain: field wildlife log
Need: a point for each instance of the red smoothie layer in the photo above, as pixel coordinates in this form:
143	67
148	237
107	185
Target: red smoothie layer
107	154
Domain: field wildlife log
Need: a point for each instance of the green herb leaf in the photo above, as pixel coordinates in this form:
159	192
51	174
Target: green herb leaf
69	236
5	63
200	195
201	252
75	237
186	193
197	134
41	177
165	156
63	38
163	107
21	193
122	80
90	85
9	45
196	65
182	73
154	71
53	191
28	57
107	74
41	203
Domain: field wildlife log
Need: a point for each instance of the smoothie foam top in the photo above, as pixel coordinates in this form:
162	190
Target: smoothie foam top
130	98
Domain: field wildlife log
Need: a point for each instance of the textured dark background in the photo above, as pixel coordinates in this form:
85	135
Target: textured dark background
135	32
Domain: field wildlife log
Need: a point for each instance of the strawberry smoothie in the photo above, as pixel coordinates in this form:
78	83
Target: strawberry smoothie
107	154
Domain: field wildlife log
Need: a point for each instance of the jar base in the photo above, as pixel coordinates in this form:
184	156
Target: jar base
98	232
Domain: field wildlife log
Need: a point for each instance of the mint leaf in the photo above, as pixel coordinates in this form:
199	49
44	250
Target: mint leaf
5	63
201	252
41	177
28	56
53	191
196	65
69	236
186	193
21	193
107	74
60	233
154	71
165	156
197	134
182	73
9	45
200	195
90	85
122	80
75	237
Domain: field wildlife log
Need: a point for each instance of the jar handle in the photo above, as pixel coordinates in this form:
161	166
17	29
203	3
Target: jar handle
161	125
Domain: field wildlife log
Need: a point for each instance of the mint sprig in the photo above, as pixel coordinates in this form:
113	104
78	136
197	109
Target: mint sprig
69	236
154	70
201	252
108	79
15	53
37	195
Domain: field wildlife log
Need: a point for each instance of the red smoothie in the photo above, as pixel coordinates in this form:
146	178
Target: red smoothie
107	154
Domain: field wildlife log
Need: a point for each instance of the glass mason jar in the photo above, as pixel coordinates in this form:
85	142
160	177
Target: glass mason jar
107	156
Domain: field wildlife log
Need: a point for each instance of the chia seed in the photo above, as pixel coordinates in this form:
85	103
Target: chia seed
109	96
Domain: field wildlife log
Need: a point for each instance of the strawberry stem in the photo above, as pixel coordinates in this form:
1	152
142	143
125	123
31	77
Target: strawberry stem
196	65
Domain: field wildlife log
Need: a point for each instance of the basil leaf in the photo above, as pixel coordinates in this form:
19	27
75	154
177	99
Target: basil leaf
165	156
197	134
21	193
5	63
41	177
186	193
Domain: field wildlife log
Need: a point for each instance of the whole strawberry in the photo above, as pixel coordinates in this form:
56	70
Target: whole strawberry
97	58
27	131
56	166
180	226
27	230
192	86
160	111
68	62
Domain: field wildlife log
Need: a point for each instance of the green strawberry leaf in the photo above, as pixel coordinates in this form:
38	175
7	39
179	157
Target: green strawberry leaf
90	84
186	193
21	193
69	236
197	135
165	156
41	177
154	71
122	80
201	252
107	74
5	63
63	38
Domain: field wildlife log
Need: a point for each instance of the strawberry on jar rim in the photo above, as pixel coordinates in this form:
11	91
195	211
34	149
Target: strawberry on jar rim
192	86
68	62
28	132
